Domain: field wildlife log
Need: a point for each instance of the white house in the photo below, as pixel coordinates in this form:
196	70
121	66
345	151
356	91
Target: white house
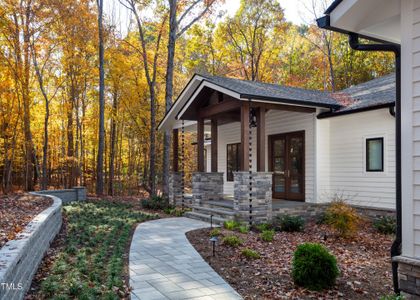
304	145
395	26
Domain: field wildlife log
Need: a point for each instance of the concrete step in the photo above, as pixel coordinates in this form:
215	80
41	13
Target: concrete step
204	217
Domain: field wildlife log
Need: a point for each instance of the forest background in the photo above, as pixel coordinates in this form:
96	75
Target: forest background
81	97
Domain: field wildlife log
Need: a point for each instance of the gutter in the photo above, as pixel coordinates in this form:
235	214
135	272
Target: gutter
355	44
332	114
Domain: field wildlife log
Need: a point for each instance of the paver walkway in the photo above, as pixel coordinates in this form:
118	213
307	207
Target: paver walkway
164	265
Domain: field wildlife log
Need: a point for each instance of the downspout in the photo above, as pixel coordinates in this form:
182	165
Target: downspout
396	49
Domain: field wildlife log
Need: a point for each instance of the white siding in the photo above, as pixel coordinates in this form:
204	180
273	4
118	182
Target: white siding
345	173
276	122
410	110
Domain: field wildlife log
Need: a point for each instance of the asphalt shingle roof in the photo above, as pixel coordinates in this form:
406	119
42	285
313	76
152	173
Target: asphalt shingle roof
375	92
273	92
379	91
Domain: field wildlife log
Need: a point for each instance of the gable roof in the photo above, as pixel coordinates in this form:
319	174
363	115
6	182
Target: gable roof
274	92
374	94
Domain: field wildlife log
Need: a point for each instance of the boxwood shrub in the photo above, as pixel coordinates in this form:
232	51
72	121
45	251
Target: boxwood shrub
313	267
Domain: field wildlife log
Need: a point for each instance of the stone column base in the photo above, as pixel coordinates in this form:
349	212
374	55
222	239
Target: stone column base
207	187
408	276
175	188
262	202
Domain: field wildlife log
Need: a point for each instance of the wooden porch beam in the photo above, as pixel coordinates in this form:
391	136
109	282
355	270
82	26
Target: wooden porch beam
214	145
222	107
268	106
175	149
200	145
261	139
245	136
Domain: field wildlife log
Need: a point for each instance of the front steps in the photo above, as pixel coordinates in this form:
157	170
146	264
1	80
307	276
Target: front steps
220	210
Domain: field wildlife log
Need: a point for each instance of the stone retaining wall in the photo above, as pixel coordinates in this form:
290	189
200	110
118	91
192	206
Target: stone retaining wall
206	187
19	259
69	195
261	196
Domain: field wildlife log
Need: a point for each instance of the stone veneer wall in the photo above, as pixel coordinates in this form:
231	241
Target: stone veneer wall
175	188
19	259
69	195
408	277
262	210
206	187
310	211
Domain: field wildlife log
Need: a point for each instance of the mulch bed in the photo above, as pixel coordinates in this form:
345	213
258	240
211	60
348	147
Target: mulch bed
16	211
364	263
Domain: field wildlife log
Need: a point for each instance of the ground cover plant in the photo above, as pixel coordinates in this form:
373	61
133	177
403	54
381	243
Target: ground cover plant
16	211
90	259
363	262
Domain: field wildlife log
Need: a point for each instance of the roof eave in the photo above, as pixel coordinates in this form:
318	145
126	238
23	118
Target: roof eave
290	101
326	115
325	23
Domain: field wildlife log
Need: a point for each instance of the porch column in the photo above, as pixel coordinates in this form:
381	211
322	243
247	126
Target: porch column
261	139
175	149
200	145
214	145
244	136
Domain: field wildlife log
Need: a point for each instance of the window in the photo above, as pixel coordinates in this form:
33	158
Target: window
375	155
233	161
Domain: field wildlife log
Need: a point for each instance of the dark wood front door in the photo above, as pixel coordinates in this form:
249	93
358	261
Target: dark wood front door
287	162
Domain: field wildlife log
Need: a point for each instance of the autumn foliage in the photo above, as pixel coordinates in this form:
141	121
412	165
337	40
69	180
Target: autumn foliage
49	82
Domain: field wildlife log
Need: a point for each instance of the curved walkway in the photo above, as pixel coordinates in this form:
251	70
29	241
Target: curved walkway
164	265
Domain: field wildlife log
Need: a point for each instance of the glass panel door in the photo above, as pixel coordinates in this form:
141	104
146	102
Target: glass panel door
287	162
279	166
296	167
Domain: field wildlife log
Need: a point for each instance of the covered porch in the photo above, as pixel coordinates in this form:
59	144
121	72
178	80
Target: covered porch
243	163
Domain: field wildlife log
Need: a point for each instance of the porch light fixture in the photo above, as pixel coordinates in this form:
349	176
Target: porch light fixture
252	118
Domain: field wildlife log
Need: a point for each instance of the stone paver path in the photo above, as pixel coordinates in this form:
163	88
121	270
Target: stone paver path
164	265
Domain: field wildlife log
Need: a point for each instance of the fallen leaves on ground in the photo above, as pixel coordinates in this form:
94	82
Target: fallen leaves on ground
16	211
364	262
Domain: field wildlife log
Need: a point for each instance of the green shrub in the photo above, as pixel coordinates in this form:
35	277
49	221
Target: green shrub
385	225
249	253
244	228
156	203
215	232
313	267
263	226
231	225
232	240
343	218
267	235
290	223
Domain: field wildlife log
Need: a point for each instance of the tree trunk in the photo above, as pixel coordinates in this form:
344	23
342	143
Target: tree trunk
101	135
112	142
169	92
